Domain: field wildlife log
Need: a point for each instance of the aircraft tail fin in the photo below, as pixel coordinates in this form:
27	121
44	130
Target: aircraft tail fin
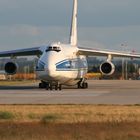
73	30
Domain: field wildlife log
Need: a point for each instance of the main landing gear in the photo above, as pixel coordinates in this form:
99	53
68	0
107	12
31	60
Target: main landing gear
50	86
42	84
82	84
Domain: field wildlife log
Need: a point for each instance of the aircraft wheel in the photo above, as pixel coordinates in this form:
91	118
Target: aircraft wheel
84	85
79	85
40	85
47	87
56	87
51	87
60	87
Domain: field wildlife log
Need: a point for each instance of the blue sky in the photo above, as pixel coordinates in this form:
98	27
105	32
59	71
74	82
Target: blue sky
101	23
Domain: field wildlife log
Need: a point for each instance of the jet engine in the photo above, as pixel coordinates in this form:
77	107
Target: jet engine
11	68
107	68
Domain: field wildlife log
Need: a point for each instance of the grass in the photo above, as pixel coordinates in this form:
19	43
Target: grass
73	113
77	131
4	115
49	118
32	116
70	122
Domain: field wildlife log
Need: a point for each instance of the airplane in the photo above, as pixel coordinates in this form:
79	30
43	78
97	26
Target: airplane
64	64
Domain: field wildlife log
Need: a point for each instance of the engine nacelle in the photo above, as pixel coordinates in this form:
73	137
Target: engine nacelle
107	68
11	68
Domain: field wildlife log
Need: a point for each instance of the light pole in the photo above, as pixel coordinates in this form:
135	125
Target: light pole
126	70
122	68
124	63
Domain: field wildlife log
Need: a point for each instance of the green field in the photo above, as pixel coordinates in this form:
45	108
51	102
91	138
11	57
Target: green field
69	122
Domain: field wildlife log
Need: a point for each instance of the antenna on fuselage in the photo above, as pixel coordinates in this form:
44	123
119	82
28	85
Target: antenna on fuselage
73	30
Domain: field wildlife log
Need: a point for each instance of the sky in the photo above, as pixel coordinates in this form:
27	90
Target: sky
104	24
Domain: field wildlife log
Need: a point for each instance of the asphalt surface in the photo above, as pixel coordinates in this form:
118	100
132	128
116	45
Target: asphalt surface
99	92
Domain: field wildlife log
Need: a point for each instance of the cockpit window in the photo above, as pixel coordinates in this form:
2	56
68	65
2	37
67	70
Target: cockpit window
53	48
72	64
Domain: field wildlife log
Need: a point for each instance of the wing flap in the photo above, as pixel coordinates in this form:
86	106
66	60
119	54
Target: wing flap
96	52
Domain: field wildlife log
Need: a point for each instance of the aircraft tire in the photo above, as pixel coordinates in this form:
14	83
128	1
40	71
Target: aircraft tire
47	87
51	87
84	85
40	85
60	87
79	85
56	87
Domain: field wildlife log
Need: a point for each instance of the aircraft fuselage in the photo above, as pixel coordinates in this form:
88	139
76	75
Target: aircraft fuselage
61	63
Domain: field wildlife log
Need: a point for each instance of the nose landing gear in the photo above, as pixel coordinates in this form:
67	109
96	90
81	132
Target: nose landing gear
50	86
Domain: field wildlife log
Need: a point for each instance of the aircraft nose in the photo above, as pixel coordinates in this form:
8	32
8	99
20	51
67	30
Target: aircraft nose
50	69
50	72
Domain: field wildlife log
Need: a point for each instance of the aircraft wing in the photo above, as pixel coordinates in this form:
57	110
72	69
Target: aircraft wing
96	52
21	52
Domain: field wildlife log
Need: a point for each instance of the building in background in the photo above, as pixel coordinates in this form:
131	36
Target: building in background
3	75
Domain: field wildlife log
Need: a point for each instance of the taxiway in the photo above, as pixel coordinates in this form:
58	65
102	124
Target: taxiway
99	92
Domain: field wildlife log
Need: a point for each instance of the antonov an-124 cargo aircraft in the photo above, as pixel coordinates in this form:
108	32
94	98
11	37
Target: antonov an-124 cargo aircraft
64	64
